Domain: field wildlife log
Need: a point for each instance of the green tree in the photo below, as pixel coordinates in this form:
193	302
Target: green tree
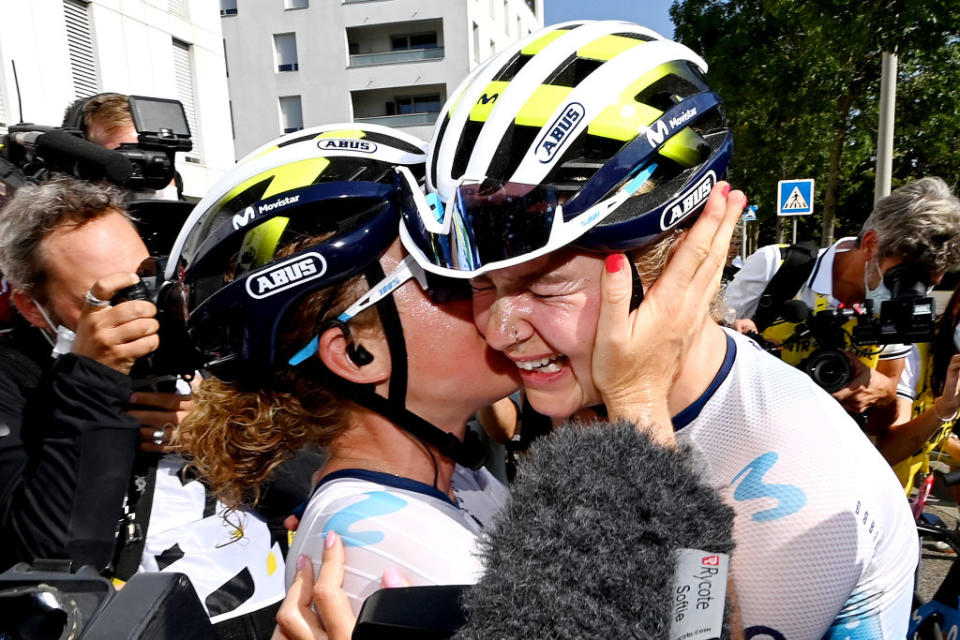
801	80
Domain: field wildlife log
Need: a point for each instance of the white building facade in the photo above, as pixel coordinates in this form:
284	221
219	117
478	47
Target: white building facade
298	63
67	49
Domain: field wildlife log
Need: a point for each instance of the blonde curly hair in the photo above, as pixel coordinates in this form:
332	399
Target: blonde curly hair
237	435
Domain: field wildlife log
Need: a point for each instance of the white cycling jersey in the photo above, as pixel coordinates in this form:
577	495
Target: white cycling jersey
825	543
388	521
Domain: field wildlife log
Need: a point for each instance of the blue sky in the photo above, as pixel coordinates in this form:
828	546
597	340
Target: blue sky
650	13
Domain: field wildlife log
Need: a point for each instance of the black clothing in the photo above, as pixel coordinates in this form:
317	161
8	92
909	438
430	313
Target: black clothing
66	451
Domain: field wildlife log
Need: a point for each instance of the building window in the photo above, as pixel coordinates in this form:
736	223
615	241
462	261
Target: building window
291	114
228	7
177	7
414	104
296	4
183	76
414	41
285	51
83	62
476	42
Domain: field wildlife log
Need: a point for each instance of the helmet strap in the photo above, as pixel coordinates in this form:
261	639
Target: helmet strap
469	452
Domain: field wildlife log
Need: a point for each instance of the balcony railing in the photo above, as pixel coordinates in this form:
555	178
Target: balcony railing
402	120
393	57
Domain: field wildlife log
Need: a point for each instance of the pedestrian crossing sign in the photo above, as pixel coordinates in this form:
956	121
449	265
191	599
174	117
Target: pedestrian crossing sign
795	197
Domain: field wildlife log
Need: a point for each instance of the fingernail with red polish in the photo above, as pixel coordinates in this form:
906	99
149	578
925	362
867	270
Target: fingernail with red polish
726	190
330	540
301	562
614	262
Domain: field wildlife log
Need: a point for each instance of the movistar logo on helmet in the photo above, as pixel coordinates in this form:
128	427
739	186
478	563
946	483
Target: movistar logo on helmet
661	130
286	275
559	132
688	201
243	218
346	144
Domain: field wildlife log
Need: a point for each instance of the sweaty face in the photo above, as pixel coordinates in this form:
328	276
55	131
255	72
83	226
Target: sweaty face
451	371
77	256
543	316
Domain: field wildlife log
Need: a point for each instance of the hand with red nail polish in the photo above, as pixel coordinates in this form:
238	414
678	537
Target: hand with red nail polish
637	355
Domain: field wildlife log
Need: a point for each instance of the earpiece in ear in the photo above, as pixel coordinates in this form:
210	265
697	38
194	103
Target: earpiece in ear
358	355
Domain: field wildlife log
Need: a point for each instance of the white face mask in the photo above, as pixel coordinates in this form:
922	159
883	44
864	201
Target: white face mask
878	295
64	336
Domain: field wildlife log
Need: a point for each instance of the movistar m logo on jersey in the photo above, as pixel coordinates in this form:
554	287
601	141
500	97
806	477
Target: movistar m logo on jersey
688	201
244	218
485	99
789	498
376	504
346	144
286	275
559	132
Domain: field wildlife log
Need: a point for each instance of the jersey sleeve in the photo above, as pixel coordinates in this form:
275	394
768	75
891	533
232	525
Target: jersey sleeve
744	291
907	385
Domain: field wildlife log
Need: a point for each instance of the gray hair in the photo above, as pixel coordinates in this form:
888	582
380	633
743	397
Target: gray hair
35	211
920	221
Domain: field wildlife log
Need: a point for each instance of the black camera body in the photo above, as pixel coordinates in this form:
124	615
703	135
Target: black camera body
31	152
829	335
175	357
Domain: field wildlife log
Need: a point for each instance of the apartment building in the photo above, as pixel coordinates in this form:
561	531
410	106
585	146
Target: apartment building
297	63
56	51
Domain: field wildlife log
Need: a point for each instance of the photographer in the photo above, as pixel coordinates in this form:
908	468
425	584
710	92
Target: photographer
917	224
71	430
105	120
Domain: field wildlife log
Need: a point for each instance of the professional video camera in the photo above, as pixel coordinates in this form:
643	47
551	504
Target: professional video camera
31	152
822	339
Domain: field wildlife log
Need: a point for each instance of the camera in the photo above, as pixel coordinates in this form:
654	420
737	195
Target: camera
820	342
175	357
31	152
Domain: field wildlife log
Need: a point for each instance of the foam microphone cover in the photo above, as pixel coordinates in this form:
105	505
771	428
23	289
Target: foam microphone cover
585	546
92	161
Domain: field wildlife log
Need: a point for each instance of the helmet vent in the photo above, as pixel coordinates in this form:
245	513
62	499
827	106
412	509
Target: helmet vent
517	140
471	131
572	71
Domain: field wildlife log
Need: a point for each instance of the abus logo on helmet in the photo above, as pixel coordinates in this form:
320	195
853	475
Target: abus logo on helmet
286	275
688	201
346	144
559	132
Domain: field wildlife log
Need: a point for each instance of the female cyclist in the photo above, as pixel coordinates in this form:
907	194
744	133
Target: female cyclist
281	270
604	138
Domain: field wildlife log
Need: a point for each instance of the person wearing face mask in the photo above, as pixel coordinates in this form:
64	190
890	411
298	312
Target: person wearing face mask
87	470
66	247
918	223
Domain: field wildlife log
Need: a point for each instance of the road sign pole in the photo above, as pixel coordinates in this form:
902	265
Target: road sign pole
794	231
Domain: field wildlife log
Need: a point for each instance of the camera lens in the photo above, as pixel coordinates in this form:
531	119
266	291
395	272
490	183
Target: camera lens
829	368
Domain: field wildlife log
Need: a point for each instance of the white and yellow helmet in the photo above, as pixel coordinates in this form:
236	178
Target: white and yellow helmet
601	134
